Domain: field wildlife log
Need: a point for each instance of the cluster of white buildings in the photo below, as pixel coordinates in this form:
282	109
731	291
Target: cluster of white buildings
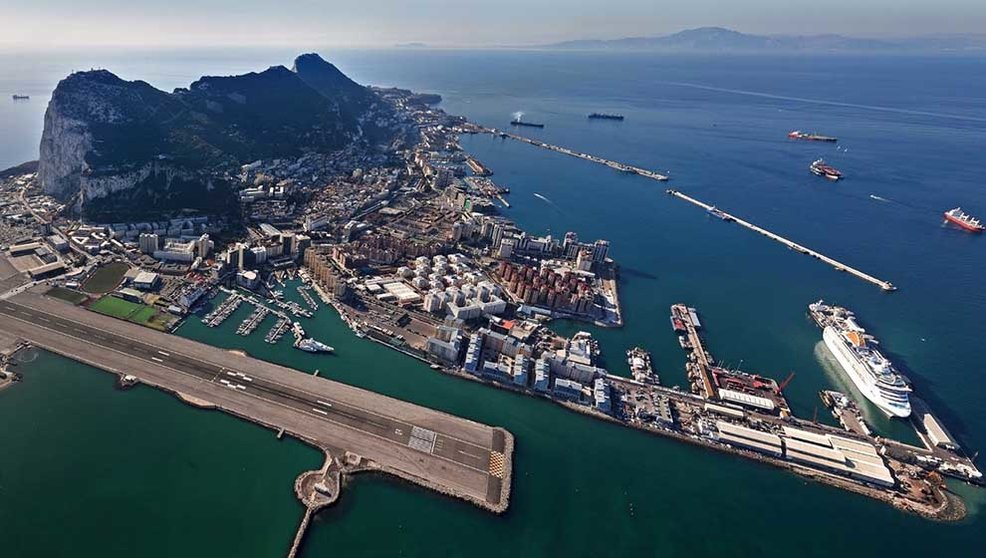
452	285
175	249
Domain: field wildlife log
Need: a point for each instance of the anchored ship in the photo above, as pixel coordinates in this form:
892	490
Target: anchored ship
821	169
964	220
871	372
605	116
798	134
519	122
310	345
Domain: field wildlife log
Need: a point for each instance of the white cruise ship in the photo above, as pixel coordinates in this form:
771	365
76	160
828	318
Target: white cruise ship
865	365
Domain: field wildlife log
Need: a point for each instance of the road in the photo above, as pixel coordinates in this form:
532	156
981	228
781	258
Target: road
443	452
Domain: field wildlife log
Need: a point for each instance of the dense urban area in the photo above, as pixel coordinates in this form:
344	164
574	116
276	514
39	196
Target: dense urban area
408	245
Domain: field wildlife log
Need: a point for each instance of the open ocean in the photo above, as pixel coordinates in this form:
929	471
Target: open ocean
85	470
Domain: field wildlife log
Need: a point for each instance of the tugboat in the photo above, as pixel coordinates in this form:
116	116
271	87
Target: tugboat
818	167
964	220
310	345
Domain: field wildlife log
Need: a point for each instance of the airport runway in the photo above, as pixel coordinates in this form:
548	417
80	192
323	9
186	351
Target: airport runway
430	447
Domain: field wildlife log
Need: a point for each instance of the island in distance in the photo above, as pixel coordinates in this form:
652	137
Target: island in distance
123	149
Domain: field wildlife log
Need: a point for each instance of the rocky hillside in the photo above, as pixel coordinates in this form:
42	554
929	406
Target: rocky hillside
127	148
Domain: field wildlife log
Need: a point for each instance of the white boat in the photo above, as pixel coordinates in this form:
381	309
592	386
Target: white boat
871	372
310	345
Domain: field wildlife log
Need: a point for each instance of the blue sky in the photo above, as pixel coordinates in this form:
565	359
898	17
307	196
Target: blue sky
458	22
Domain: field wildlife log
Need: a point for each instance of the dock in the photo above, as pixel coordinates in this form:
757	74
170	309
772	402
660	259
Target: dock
839	266
700	361
616	165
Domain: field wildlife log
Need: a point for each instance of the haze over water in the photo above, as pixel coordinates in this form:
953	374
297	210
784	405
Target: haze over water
911	133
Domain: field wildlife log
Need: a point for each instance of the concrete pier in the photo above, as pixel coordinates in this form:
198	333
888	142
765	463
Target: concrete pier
451	455
616	165
839	266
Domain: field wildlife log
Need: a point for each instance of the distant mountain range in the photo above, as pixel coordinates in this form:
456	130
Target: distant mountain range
718	39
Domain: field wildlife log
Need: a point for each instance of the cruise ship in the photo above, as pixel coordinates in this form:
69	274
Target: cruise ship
865	365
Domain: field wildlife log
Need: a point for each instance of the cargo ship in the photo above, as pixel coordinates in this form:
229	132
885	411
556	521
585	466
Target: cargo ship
519	122
605	116
799	135
819	168
21	97
855	350
310	345
964	220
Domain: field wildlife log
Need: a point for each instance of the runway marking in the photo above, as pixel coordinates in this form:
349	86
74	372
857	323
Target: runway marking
320	411
163	353
156	359
498	463
320	402
115	346
422	439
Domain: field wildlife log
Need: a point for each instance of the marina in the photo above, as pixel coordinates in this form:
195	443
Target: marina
253	321
837	265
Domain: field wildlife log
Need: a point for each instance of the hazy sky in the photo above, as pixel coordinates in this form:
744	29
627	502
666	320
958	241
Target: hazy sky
38	23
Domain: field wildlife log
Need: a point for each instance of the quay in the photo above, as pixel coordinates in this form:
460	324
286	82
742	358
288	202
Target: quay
839	266
448	454
622	167
700	360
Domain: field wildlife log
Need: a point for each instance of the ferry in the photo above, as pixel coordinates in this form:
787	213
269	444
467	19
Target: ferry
819	168
968	222
799	135
855	350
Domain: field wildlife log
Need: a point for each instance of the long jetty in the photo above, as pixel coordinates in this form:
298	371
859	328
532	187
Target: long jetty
622	167
839	266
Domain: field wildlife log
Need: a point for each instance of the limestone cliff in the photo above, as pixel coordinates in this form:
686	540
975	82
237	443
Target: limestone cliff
125	146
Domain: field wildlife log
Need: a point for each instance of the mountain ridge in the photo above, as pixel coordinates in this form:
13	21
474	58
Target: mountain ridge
721	39
114	142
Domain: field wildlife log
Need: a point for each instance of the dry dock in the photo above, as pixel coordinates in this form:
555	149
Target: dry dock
448	454
622	167
839	266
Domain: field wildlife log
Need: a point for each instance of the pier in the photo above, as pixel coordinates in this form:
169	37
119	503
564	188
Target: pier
839	266
622	167
445	453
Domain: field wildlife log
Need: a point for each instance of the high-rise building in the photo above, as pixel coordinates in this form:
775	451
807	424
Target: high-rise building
600	249
149	243
203	246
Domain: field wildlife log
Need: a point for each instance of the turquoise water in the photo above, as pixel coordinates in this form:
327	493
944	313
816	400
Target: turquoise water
913	128
86	470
